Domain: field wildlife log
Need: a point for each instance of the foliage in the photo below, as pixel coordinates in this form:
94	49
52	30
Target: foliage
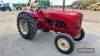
82	4
77	4
89	2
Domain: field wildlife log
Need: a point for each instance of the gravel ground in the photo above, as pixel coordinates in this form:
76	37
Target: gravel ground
11	43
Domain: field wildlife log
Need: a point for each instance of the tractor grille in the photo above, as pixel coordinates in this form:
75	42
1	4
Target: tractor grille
50	22
55	23
60	24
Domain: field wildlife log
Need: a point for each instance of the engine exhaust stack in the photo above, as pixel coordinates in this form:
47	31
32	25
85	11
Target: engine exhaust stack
63	5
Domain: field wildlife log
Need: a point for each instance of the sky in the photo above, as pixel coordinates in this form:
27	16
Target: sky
57	2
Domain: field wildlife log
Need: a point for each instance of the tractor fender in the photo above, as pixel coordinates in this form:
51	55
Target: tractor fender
30	13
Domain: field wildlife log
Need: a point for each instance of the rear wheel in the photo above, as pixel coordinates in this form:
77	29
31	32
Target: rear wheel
80	36
64	44
26	26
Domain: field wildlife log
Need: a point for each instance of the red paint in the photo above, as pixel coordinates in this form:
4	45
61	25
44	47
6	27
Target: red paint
72	19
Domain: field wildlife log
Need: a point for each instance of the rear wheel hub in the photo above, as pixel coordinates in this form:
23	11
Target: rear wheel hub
23	25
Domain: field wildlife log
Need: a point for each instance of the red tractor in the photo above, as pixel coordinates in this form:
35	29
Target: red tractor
67	25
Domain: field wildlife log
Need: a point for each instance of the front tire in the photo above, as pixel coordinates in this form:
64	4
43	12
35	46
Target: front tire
64	44
26	26
81	36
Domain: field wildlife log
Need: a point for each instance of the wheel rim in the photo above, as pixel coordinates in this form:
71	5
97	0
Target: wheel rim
78	36
23	25
63	44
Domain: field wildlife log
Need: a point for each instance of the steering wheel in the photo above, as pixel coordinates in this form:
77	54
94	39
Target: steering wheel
34	7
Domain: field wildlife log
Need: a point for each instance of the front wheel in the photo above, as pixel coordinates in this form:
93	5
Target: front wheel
64	44
80	36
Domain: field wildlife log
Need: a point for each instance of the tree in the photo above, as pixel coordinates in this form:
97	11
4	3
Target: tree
76	4
89	2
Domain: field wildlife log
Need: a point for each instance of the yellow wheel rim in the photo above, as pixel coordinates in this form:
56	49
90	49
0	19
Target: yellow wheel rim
23	25
63	44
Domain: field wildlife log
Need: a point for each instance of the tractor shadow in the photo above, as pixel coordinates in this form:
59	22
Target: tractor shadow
43	45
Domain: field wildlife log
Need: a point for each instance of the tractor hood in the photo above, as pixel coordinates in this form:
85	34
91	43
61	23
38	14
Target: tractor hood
70	18
66	15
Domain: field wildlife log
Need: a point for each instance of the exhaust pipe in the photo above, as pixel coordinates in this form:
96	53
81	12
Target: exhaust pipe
63	5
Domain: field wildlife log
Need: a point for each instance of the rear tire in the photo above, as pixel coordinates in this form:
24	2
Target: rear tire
64	44
31	26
